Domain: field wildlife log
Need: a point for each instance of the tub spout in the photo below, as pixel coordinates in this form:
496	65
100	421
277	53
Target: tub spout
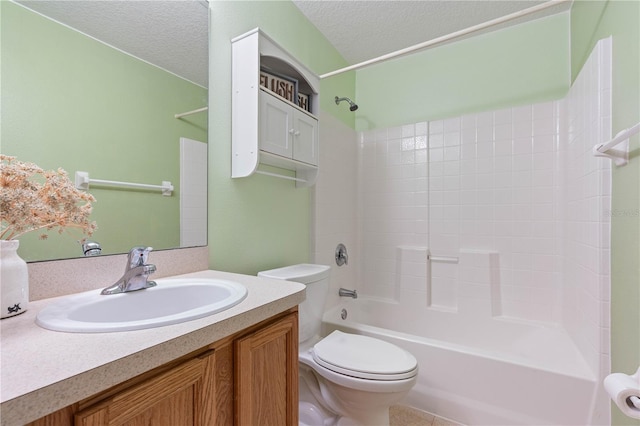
343	292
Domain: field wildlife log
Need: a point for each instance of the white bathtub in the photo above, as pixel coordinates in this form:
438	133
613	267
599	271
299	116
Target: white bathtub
481	372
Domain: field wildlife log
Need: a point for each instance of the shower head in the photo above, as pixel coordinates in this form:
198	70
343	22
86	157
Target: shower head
352	105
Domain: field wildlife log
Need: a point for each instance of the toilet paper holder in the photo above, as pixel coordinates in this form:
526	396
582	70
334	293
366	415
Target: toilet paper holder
624	390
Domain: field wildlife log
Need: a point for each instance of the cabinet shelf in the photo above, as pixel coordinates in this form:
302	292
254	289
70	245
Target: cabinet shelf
305	173
268	129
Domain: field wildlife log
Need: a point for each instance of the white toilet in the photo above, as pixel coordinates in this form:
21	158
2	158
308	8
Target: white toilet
345	379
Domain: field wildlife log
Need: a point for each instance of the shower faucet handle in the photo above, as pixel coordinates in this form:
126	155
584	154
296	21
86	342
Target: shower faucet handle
342	257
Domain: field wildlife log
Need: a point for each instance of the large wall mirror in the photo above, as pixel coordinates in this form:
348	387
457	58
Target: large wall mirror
94	86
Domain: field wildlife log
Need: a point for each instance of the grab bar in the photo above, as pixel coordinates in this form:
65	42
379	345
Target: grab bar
619	156
195	111
443	259
82	181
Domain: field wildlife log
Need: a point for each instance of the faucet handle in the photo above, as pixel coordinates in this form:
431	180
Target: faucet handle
342	258
138	256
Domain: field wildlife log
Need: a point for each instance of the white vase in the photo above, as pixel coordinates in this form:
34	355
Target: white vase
14	280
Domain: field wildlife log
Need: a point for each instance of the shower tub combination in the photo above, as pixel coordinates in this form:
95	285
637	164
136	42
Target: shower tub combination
488	371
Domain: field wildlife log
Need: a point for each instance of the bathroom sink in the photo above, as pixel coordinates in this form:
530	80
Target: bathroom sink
172	301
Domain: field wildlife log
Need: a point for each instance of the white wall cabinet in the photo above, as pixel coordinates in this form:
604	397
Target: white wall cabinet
267	129
287	131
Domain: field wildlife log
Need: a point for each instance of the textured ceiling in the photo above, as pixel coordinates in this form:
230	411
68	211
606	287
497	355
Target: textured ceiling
173	34
362	30
170	34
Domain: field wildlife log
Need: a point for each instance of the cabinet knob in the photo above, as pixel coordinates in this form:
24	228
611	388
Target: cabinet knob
297	133
291	131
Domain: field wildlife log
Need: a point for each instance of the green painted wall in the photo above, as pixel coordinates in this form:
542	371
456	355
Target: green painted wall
72	102
591	21
522	64
261	222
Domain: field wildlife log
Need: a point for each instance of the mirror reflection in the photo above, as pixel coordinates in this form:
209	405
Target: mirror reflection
71	101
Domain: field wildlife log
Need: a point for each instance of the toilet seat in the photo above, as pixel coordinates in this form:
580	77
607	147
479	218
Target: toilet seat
364	357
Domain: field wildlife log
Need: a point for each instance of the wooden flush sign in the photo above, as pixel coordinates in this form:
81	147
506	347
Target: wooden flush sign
285	87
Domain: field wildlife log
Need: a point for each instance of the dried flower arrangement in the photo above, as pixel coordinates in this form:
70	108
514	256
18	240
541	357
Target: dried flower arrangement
33	199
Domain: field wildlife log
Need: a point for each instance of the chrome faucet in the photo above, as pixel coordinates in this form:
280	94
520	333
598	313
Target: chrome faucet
91	248
136	273
343	292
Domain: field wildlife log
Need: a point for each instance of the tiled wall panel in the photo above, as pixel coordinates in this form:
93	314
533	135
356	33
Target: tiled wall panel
335	204
478	182
512	199
586	206
519	183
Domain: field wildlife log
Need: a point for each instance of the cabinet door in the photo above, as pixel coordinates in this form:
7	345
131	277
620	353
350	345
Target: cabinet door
276	126
267	375
305	138
174	398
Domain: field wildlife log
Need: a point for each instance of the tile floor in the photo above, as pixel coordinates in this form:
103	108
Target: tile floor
400	415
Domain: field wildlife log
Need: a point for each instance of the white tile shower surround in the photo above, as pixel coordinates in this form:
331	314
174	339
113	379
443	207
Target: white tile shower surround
514	194
587	213
335	206
486	182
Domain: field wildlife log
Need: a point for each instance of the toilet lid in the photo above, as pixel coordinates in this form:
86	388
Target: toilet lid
364	357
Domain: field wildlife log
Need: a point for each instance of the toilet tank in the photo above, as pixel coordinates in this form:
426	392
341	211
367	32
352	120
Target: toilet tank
316	279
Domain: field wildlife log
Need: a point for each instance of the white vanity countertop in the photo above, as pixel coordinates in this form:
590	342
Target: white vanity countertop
43	371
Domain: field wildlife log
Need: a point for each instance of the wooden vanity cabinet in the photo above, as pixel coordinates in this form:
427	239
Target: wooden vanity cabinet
247	379
177	397
266	375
